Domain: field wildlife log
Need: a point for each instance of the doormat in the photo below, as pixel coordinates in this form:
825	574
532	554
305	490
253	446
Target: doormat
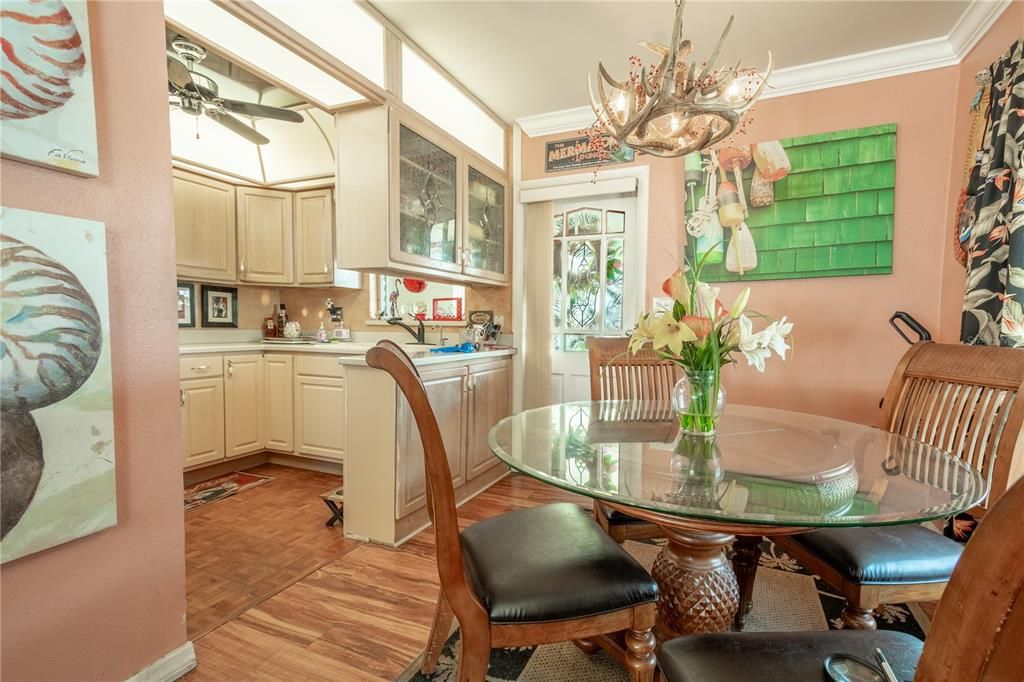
787	597
223	486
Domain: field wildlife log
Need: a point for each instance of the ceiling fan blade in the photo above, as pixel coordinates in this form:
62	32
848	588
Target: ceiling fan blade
236	126
261	110
178	75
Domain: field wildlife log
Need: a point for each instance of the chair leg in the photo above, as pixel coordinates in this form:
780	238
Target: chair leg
438	633
857	617
474	654
640	660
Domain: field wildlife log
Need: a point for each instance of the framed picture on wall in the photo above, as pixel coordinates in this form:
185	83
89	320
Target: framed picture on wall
447	309
220	306
186	304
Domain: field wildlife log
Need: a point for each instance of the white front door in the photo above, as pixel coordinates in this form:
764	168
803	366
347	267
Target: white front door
598	274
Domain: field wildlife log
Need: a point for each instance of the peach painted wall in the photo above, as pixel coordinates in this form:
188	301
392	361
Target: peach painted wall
845	350
1008	28
105	606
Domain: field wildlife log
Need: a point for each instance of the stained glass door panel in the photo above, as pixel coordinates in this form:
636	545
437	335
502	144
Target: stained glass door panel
594	285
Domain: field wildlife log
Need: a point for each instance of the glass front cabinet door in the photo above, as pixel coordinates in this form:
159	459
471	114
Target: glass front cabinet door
485	253
449	209
425	226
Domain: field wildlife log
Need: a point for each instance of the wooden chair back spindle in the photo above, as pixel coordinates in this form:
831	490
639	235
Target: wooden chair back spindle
979	624
440	494
963	399
616	374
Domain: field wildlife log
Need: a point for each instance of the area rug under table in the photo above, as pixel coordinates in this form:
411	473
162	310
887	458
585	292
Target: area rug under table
786	598
223	486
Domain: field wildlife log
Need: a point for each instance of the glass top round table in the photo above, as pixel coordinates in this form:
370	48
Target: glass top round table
764	472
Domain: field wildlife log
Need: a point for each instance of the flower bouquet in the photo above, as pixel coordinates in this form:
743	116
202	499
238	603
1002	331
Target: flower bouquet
701	336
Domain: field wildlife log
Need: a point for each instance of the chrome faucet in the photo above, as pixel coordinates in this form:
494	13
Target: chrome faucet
419	333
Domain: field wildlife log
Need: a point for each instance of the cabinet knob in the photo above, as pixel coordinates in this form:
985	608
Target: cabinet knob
181	396
241	265
325	268
231	369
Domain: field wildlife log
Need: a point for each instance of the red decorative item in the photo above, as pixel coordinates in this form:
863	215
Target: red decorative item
414	285
447	309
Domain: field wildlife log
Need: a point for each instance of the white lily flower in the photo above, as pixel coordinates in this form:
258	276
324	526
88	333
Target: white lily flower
707	296
775	336
757	357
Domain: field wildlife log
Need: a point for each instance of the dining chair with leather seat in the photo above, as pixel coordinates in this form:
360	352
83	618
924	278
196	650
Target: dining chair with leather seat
976	633
963	399
616	374
527	577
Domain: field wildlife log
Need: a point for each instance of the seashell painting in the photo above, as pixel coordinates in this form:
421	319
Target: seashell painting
47	104
56	401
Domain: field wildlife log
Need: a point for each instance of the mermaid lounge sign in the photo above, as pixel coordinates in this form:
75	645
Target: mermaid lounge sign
578	152
56	403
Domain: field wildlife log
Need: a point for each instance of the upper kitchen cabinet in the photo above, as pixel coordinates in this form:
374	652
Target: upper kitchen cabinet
204	227
486	250
314	237
414	201
265	236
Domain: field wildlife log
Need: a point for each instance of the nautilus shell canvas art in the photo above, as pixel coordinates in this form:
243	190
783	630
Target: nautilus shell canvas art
56	401
47	104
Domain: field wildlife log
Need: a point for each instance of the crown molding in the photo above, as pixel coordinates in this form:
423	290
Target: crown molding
857	68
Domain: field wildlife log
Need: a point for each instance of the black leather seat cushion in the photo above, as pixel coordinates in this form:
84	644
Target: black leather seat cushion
885	555
617	518
550	563
788	656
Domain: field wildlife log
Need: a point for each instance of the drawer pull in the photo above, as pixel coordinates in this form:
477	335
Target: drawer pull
200	368
181	397
231	369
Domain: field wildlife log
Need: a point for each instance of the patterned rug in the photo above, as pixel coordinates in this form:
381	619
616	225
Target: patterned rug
223	486
786	598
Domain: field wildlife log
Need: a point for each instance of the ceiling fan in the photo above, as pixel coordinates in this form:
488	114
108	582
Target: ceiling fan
196	94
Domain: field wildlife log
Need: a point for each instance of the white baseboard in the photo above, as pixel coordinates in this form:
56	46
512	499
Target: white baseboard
169	668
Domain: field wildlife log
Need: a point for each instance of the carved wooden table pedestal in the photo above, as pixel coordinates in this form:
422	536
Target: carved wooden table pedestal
700	592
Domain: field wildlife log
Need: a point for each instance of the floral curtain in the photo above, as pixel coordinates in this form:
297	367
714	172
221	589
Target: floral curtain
992	217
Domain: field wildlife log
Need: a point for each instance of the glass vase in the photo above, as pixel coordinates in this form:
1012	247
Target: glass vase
698	399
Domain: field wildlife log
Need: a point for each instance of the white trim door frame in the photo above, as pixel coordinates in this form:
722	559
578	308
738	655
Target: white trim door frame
578	185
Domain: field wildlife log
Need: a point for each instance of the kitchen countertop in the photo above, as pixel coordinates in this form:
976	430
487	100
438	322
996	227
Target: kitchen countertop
349	353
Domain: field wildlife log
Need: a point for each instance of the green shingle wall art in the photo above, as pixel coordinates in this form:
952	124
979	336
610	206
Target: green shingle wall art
830	215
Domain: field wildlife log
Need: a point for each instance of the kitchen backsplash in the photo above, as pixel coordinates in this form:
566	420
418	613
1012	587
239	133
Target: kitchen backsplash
306	306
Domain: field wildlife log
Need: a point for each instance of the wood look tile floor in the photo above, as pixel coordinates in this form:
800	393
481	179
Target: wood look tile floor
358	612
248	547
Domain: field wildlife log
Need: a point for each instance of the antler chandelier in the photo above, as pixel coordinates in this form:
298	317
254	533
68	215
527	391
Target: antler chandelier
678	106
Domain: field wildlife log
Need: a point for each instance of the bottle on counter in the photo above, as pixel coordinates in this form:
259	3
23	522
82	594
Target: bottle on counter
269	327
321	334
282	319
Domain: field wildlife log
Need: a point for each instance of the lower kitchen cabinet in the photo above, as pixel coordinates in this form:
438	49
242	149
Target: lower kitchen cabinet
278	404
202	420
447	392
320	416
490	401
243	404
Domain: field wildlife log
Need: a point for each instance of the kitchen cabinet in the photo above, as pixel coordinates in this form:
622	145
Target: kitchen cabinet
279	418
490	401
447	391
319	407
204	228
419	202
202	420
265	236
314	236
243	404
486	241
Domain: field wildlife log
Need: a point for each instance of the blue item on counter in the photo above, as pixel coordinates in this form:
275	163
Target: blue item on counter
461	348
